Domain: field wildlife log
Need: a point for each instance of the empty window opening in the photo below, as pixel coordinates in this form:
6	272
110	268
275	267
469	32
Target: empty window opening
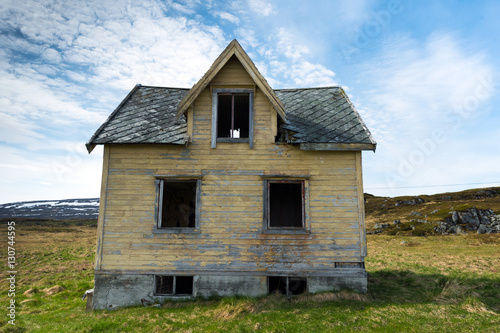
184	285
178	204
164	285
277	284
173	285
349	265
233	115
286	204
287	285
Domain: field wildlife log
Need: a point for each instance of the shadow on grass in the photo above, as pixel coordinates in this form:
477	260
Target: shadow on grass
403	286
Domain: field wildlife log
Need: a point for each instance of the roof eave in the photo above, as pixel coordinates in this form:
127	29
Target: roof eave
338	146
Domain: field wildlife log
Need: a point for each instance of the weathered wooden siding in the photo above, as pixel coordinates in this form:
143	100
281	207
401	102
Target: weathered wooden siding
231	238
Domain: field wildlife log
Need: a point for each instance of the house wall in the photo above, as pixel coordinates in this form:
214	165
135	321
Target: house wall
230	243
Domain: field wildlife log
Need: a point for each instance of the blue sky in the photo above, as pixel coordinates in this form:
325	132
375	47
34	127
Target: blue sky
423	76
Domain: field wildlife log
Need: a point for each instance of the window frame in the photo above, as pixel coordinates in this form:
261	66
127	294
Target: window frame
174	285
288	291
159	184
215	99
266	228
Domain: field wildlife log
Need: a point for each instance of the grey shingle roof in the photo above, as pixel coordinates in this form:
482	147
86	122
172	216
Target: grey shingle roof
314	115
146	115
322	115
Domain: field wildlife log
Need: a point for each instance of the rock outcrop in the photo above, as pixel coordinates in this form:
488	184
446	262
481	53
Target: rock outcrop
411	202
482	221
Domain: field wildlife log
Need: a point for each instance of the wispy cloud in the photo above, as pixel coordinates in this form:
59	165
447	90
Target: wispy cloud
261	7
227	16
419	99
18	131
287	64
65	66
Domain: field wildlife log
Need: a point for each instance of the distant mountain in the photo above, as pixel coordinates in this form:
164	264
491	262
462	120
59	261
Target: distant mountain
70	209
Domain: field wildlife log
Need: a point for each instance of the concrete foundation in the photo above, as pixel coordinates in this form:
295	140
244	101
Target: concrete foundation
355	281
119	290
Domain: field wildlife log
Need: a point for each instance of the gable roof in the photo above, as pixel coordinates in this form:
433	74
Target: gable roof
234	48
317	118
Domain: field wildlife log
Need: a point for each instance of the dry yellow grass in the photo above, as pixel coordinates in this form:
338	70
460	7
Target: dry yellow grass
342	295
231	311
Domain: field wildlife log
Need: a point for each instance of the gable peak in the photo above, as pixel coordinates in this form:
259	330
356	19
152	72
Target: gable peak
233	48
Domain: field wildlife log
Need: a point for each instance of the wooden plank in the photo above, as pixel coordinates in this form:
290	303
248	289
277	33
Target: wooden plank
219	255
189	117
190	261
361	206
102	208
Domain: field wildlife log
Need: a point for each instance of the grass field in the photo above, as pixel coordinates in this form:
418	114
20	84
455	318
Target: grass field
416	284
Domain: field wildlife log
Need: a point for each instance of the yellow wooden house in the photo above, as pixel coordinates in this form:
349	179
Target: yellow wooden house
230	188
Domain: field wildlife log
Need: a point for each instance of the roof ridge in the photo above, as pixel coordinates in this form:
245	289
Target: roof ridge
160	87
309	88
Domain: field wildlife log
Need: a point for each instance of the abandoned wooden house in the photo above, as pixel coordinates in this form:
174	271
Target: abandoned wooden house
230	188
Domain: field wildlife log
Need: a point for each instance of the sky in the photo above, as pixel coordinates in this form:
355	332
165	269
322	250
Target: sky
423	76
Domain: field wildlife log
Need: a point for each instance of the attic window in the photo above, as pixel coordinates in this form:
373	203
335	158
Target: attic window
232	116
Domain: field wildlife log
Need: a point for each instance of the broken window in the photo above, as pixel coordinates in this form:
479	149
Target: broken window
173	285
287	285
285	204
178	204
233	115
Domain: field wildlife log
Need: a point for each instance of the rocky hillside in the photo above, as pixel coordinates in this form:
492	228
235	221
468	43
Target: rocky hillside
72	209
476	211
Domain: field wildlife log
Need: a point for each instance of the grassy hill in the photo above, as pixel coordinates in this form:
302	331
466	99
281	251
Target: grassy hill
416	284
432	208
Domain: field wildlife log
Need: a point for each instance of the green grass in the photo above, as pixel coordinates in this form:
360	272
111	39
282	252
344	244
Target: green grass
416	284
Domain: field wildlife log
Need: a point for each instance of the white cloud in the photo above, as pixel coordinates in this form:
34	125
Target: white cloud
186	7
288	64
30	94
261	7
227	16
52	56
246	37
305	74
287	45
